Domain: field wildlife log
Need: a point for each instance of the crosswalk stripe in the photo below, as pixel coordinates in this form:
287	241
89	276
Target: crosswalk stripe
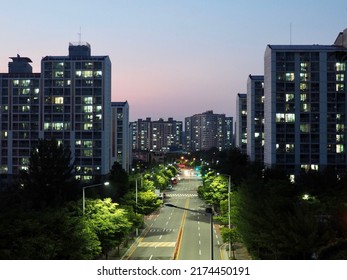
182	194
157	244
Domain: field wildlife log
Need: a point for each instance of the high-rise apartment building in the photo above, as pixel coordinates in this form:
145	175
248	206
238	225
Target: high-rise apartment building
120	141
160	135
305	106
208	130
241	122
76	107
20	116
255	118
70	101
141	134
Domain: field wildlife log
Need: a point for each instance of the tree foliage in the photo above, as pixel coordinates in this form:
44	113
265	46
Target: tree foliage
49	180
110	224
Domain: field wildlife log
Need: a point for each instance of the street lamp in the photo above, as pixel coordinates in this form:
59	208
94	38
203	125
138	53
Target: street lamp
229	216
208	211
84	195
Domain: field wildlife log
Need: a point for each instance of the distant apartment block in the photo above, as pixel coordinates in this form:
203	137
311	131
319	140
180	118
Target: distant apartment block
255	118
241	122
160	135
120	141
208	130
305	106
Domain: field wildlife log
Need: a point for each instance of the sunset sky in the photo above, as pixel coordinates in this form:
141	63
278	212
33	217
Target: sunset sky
169	58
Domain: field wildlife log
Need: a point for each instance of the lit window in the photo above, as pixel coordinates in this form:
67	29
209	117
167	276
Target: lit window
78	73
59	74
88	153
303	97
305	107
303	86
305	128
340	148
97	74
290	77
37	90
25	108
340	87
340	127
78	142
290	117
279	117
88	126
88	144
314	167
304	77
87	74
340	77
98	109
340	66
15	82
88	109
303	66
25	91
289	97
289	147
58	100
88	100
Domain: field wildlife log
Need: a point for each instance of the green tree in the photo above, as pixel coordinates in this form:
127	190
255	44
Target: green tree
49	180
147	202
56	233
110	224
119	183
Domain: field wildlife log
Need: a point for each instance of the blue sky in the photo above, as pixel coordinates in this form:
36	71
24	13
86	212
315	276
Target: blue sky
169	58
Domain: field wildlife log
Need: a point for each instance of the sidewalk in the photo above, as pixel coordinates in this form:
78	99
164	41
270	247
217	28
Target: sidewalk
241	252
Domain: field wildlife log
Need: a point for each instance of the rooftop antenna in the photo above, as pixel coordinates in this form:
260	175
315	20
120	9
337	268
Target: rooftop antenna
290	34
80	36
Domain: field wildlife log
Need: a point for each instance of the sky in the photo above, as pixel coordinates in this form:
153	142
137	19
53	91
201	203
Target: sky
170	58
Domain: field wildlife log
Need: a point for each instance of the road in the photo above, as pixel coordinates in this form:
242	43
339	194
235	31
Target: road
174	233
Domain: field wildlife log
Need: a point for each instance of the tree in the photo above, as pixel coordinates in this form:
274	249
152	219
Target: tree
49	180
109	223
119	183
56	233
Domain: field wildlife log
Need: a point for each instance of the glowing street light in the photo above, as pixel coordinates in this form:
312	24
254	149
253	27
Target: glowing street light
84	195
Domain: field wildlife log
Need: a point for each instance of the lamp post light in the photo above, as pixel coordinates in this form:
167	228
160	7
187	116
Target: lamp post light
84	194
209	212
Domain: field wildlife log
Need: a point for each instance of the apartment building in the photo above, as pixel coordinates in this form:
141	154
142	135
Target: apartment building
241	122
70	101
120	140
208	130
76	107
160	135
19	116
305	106
255	118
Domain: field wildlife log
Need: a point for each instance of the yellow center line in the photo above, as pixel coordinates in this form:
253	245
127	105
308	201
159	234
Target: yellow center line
180	234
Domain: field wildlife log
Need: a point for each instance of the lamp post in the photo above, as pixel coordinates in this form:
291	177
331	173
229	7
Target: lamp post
229	216
84	194
209	212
